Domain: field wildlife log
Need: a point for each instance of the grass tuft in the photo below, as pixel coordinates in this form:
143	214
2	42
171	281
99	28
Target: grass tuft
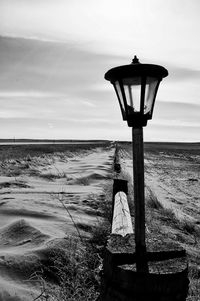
189	227
194	289
168	215
152	201
83	181
52	176
69	274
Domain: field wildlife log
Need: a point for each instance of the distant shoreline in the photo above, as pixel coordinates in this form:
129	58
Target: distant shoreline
46	141
161	146
60	141
49	140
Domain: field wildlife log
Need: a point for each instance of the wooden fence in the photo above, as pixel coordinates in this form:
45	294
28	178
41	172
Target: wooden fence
167	279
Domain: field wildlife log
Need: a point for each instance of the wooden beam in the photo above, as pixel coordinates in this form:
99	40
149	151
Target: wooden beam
121	223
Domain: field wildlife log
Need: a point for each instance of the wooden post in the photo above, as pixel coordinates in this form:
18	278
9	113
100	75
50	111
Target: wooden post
138	175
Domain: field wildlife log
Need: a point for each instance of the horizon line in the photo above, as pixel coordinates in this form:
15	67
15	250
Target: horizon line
13	140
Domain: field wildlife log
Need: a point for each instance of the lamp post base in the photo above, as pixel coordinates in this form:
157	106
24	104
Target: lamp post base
167	279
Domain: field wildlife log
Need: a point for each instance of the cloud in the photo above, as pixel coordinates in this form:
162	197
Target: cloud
183	113
49	67
177	123
28	94
175	133
88	103
177	73
62	84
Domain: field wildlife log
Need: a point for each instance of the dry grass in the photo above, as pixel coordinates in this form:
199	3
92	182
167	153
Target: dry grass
83	181
69	274
73	273
152	201
28	151
75	270
52	176
163	224
194	290
187	235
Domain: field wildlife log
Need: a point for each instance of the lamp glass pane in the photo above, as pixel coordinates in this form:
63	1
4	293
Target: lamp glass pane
132	88
120	98
150	90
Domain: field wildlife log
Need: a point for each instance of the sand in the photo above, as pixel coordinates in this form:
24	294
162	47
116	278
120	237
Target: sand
172	219
32	217
173	174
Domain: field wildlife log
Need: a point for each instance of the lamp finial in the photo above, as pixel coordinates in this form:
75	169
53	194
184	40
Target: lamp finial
135	60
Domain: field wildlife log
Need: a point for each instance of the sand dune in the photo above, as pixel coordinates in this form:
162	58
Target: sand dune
173	175
32	219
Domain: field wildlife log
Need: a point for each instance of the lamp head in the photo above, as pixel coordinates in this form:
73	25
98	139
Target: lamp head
136	86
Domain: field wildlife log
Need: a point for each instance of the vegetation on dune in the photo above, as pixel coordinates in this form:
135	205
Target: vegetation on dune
69	274
8	152
164	226
16	160
73	273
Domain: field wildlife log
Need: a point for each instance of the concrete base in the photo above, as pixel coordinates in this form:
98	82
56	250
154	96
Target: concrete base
167	279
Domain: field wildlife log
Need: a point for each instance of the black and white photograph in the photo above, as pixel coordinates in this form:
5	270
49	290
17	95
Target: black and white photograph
99	150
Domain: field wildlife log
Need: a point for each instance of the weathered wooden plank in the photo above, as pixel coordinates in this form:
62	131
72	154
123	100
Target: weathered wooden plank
121	223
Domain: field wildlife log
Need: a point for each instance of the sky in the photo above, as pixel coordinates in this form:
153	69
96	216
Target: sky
54	54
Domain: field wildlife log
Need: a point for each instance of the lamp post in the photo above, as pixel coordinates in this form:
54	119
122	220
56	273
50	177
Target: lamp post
136	86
